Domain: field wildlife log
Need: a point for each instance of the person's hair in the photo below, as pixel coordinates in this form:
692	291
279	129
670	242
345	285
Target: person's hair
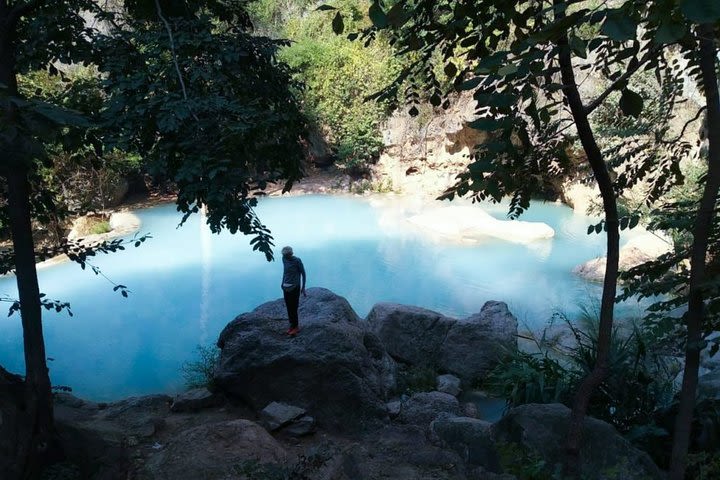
287	251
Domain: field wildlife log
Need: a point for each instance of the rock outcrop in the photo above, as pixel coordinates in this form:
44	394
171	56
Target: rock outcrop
468	348
472	224
604	453
335	368
638	250
424	154
216	450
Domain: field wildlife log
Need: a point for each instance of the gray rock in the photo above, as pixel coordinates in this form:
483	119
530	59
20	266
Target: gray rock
709	384
448	384
474	345
422	408
65	398
276	415
335	368
412	335
469	409
215	451
471	438
468	348
194	400
138	416
394	408
301	427
604	453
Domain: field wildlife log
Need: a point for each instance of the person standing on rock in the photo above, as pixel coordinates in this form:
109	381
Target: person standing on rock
293	273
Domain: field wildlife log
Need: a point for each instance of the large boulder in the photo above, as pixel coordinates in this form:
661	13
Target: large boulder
424	407
471	438
335	368
469	223
541	429
216	451
468	348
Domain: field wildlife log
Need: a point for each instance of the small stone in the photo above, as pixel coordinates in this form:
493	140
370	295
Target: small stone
304	425
276	415
448	384
394	408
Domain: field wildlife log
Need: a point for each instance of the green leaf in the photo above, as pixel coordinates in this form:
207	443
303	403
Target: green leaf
619	26
624	222
670	32
397	16
450	70
701	11
377	16
599	227
578	46
337	24
631	103
591	229
325	7
634	220
508	69
435	100
489	124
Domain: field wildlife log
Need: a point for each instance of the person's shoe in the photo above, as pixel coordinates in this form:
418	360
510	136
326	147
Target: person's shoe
293	331
289	330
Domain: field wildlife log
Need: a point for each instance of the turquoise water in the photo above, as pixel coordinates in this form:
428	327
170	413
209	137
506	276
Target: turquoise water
187	283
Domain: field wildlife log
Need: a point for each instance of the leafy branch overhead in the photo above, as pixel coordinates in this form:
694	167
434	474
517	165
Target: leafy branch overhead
222	126
506	54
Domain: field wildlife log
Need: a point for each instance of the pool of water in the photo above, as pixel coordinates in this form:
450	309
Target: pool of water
187	283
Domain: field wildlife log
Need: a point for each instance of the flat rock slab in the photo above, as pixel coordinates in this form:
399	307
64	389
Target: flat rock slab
194	400
276	415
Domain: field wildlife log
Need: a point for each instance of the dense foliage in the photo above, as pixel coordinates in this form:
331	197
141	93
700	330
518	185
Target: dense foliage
337	74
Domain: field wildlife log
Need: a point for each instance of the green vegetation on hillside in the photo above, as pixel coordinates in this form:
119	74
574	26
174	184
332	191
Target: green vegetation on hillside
337	74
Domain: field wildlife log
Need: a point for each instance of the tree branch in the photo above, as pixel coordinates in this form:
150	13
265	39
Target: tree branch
19	11
682	132
174	56
632	68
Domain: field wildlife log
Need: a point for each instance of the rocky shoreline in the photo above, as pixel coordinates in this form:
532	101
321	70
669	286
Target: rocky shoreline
326	405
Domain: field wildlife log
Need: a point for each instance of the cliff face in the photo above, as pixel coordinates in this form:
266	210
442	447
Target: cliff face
423	154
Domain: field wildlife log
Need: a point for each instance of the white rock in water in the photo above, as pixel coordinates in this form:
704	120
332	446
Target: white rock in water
464	223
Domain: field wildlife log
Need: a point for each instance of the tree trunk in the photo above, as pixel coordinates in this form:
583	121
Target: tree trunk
701	232
40	442
607	303
38	394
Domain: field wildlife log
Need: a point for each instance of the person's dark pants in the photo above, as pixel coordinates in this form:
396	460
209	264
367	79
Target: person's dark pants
292	300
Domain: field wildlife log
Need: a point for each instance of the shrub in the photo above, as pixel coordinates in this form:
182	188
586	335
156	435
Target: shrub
338	75
100	227
414	379
637	390
201	372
